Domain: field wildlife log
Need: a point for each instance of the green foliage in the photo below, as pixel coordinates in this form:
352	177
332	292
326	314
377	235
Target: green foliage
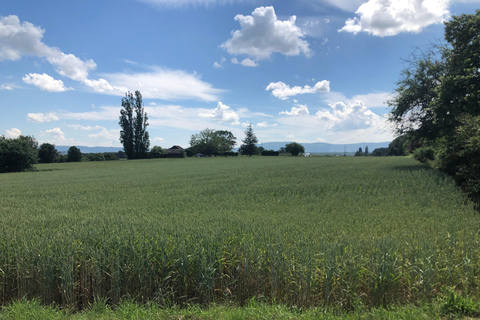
249	146
158	152
459	155
270	153
210	142
453	302
96	157
110	156
17	154
380	152
424	154
349	233
294	148
74	154
397	146
47	153
437	102
133	123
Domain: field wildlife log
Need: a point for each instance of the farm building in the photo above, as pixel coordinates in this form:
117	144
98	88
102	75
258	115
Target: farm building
176	152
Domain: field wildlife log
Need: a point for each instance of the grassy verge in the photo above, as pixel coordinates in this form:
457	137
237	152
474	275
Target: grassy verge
129	310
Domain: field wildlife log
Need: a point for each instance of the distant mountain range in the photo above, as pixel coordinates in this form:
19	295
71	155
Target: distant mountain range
317	147
322	147
83	149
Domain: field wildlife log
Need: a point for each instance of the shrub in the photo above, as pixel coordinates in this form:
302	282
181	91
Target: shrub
96	157
424	154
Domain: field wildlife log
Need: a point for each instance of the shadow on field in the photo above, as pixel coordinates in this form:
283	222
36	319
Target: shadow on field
417	167
46	170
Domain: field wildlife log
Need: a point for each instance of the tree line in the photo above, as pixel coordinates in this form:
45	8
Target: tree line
436	107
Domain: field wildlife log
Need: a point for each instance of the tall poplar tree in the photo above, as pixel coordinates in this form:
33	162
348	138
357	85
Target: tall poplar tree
133	123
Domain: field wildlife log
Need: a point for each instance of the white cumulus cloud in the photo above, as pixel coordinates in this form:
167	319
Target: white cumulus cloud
5	87
45	82
40	117
299	110
283	91
13	133
56	133
262	34
222	113
351	116
388	18
20	39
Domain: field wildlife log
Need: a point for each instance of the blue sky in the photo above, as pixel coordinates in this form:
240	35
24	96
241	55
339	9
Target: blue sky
297	70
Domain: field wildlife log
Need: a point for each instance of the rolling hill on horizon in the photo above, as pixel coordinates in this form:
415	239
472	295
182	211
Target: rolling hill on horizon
316	147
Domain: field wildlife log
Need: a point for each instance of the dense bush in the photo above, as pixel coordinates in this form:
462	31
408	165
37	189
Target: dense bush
19	154
96	157
270	153
460	156
158	152
424	154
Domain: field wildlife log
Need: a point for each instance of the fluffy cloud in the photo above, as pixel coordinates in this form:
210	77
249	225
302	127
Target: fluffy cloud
40	117
5	87
13	133
283	91
351	116
45	82
222	113
388	18
245	62
299	110
56	133
262	34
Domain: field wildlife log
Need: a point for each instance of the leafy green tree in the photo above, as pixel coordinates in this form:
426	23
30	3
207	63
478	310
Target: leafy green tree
133	123
19	154
249	146
412	110
157	152
437	103
47	153
294	148
210	141
74	154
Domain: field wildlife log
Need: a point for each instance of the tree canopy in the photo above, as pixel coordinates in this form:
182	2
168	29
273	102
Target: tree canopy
294	148
209	141
47	153
18	154
74	154
133	123
437	102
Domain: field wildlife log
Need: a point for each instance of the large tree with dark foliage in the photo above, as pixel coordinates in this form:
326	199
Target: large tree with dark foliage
47	153
437	103
210	141
133	123
249	146
19	154
74	154
294	148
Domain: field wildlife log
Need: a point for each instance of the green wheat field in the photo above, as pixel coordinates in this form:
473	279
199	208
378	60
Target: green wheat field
305	232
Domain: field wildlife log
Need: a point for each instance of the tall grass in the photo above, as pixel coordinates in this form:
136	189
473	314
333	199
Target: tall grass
341	232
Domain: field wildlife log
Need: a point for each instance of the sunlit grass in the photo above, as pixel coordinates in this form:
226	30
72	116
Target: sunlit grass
304	232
